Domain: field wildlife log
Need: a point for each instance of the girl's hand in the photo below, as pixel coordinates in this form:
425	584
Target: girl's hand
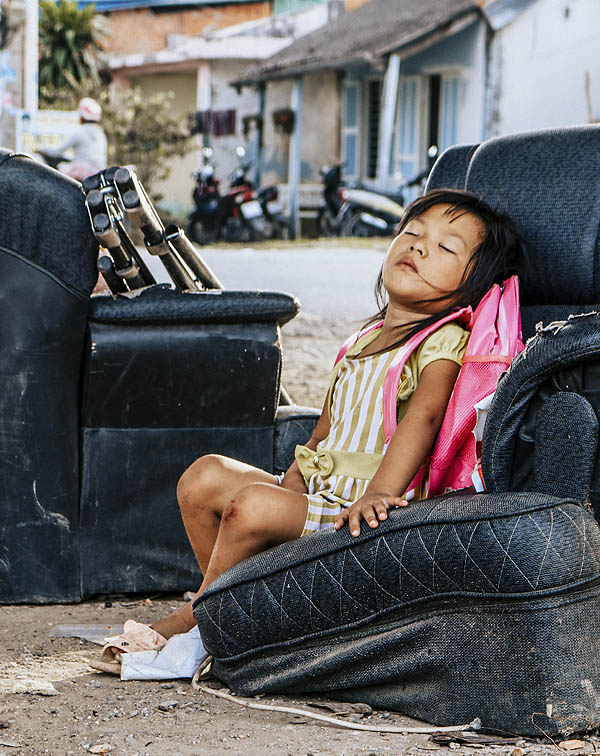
371	507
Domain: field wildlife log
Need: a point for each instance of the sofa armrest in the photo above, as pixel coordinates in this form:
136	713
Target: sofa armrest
161	304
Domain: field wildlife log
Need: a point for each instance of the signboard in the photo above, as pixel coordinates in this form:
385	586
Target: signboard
49	129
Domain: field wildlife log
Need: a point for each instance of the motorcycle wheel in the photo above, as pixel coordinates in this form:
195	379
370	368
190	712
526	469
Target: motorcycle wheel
327	225
355	226
233	230
260	229
197	232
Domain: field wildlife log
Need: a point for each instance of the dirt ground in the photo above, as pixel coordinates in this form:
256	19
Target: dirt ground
64	708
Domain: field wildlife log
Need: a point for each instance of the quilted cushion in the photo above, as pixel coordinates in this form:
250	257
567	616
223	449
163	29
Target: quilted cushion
442	611
450	169
162	304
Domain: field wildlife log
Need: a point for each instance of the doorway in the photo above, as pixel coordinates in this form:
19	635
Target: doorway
433	128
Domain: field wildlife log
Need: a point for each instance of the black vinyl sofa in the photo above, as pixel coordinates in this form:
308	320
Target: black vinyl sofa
105	401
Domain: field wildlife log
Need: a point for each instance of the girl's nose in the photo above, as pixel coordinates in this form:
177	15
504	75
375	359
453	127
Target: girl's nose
419	249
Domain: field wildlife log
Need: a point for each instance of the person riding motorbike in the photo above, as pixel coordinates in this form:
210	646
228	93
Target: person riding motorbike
88	143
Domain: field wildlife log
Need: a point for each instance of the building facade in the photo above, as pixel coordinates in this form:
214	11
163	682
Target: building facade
402	76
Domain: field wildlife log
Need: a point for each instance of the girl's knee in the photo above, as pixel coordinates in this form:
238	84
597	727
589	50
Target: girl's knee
246	512
201	477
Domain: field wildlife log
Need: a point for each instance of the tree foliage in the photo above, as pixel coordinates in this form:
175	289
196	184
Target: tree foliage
144	132
70	42
140	128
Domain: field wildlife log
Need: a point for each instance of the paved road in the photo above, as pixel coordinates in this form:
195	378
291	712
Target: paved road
335	282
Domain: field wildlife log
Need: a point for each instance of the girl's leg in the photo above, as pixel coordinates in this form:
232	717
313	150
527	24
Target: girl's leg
259	515
204	490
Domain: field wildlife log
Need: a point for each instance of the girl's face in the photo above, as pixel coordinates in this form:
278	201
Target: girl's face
429	256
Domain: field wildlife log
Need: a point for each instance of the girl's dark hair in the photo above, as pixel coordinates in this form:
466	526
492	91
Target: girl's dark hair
499	255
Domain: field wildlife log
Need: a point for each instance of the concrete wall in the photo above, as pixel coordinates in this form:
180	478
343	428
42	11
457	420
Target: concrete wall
320	127
142	30
224	97
177	189
540	62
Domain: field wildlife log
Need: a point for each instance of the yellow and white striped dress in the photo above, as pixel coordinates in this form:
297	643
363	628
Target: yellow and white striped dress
339	471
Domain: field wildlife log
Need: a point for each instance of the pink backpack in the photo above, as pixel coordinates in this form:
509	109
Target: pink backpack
495	340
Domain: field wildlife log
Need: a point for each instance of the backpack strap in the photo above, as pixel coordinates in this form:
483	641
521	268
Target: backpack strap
354	338
394	373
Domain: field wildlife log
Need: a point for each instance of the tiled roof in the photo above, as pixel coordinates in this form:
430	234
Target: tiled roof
364	35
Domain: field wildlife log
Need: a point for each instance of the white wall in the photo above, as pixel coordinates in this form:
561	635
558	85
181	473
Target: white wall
225	97
177	189
539	63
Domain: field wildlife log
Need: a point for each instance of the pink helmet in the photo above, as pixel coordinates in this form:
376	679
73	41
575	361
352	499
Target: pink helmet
89	110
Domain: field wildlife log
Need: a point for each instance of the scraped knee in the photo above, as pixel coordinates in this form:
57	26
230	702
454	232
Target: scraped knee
246	512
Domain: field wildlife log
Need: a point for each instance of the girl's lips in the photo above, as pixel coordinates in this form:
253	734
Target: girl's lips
408	264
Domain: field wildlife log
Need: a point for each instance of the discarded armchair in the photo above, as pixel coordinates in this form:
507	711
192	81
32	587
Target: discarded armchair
104	402
467	605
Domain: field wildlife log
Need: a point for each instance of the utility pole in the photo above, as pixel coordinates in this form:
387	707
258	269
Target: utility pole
30	58
18	69
295	158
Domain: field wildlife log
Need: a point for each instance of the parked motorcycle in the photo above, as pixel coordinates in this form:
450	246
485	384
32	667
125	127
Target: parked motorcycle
204	222
268	197
357	211
234	216
354	211
240	214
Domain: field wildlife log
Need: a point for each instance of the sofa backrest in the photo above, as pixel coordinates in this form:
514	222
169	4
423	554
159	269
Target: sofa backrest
546	181
43	218
450	169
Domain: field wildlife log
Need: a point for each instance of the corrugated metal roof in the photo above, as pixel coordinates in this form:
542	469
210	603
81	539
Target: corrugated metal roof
103	6
365	35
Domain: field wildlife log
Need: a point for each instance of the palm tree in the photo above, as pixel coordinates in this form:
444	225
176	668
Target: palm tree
70	42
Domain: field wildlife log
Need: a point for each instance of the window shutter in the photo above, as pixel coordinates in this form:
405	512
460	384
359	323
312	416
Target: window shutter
407	135
351	130
449	112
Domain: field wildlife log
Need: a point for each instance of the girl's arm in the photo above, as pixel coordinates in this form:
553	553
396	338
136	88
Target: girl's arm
411	443
293	479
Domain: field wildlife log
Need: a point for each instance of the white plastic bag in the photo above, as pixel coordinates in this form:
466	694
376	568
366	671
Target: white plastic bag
179	658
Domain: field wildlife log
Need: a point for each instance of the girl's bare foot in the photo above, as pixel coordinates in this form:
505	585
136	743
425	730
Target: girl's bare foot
180	621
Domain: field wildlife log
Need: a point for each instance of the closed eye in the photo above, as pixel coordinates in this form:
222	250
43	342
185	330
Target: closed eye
410	233
447	249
